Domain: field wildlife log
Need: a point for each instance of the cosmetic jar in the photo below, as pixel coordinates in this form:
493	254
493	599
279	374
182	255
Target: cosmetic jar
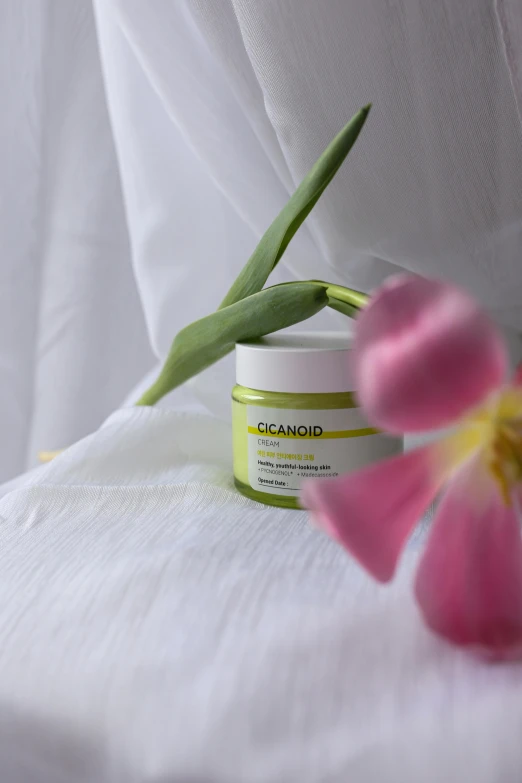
295	416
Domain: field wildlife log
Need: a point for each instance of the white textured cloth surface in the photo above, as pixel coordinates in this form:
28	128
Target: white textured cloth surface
157	626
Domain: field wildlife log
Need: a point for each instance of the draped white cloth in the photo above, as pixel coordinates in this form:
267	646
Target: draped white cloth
145	147
155	625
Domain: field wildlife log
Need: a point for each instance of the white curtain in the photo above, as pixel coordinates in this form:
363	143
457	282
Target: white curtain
145	147
72	336
155	625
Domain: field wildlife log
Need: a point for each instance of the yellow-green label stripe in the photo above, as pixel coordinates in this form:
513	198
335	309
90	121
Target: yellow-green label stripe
324	436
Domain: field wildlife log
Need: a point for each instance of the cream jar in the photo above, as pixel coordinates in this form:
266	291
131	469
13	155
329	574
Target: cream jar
295	417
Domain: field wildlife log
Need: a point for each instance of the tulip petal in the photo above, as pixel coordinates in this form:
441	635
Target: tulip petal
517	376
424	354
469	582
373	511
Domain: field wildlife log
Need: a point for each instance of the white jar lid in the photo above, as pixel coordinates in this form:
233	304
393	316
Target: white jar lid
296	363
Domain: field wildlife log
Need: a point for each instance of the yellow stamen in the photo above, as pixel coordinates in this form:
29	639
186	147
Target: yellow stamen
503	443
495	431
505	457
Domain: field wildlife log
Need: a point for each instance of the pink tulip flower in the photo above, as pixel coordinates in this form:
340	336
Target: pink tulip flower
426	357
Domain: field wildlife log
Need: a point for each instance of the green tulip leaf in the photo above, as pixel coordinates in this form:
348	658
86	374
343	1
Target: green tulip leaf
345	300
274	242
349	296
343	307
204	342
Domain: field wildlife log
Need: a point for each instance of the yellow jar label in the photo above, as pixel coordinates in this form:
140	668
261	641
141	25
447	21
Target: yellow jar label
286	447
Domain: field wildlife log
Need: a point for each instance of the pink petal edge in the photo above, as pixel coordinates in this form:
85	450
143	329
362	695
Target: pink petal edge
517	376
469	582
424	354
373	511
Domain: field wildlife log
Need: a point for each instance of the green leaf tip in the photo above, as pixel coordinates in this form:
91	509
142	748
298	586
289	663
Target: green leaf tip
276	239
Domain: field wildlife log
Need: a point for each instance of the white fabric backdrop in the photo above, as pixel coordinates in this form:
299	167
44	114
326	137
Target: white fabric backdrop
145	146
155	625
